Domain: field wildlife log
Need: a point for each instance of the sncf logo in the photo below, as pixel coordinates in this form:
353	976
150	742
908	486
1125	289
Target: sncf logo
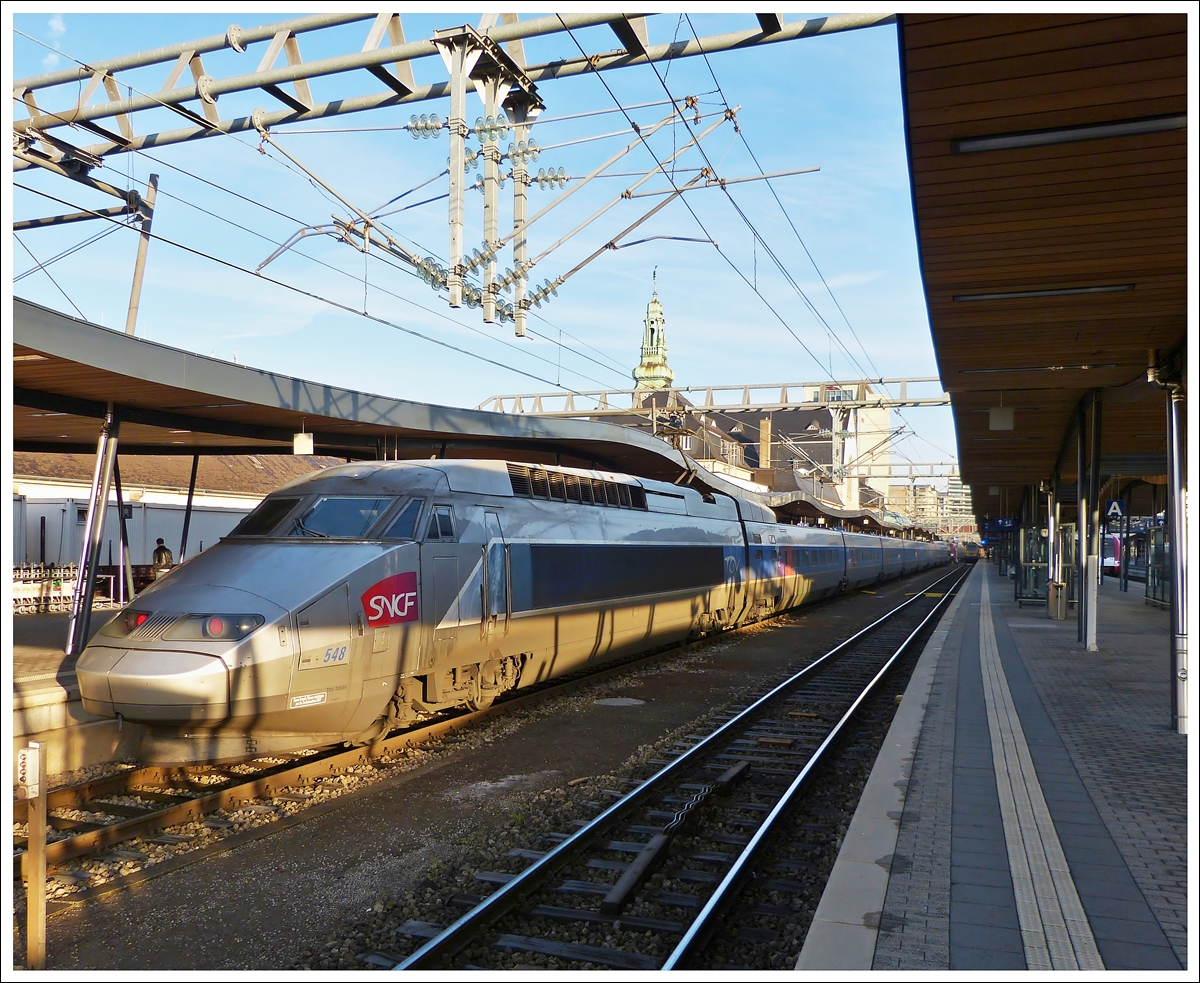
391	601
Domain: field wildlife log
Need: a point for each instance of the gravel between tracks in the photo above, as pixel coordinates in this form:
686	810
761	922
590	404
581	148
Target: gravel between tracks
769	926
71	882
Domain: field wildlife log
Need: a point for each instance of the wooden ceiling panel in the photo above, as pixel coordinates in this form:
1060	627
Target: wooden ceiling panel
1096	212
1130	50
1020	38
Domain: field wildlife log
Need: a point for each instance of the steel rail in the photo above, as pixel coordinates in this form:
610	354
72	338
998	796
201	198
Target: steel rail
467	927
324	762
700	929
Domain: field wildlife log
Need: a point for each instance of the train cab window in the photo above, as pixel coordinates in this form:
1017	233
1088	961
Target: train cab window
263	520
339	518
441	525
404	526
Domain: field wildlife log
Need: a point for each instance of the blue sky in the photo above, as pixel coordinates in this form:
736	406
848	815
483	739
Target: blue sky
832	102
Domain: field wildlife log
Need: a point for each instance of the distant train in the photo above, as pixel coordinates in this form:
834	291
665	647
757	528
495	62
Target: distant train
369	596
970	551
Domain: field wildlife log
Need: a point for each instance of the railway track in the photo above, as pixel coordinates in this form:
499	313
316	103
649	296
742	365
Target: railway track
94	819
646	883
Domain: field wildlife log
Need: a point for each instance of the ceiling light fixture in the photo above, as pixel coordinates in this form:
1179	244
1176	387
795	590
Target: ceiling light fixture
1113	288
1069	134
1040	368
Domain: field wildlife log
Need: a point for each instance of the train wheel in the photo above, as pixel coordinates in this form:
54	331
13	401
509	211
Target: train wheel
483	698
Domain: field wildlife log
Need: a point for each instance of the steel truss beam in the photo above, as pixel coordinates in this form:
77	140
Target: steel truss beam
207	90
704	399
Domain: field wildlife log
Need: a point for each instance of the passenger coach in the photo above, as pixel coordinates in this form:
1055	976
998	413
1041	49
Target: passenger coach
368	596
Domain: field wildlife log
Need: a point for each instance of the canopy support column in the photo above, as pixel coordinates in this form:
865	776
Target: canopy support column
1081	524
1093	523
1177	535
187	512
85	585
126	570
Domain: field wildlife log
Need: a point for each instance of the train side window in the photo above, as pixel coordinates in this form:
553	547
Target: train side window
441	525
404	526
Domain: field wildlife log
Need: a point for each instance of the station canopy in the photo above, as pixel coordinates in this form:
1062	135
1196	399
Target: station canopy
69	374
1048	158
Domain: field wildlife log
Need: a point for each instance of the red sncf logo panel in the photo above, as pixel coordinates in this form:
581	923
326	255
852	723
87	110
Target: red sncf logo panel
391	601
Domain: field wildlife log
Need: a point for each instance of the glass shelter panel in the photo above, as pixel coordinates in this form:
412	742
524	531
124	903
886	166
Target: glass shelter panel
1033	564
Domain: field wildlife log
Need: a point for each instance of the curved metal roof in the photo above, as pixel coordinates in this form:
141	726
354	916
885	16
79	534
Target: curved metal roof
67	372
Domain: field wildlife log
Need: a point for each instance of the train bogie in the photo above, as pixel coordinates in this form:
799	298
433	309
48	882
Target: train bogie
369	596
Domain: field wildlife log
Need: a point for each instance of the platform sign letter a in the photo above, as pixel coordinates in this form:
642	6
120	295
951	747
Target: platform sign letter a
1114	509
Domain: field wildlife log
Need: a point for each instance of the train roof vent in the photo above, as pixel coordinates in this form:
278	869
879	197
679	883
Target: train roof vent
518	474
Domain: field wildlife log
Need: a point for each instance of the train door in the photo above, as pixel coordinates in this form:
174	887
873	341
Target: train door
323	674
497	576
439	556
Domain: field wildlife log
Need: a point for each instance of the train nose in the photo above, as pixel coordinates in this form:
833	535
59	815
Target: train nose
156	687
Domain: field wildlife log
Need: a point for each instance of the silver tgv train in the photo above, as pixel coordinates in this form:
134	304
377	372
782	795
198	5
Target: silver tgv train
368	596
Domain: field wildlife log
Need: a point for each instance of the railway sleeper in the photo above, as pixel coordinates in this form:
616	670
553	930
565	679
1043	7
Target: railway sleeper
574	952
600	918
654	852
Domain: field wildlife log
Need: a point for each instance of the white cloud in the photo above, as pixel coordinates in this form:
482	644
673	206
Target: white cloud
56	25
50	61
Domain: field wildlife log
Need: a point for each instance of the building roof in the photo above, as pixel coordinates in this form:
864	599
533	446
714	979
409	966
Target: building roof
217	474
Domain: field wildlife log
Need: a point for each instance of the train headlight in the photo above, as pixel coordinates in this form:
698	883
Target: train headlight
228	627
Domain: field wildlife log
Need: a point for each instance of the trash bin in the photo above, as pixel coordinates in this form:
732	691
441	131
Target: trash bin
1056	600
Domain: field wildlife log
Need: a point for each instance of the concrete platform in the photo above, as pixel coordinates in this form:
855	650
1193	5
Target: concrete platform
1029	808
46	705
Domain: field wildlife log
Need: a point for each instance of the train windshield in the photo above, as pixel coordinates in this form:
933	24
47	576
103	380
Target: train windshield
405	524
339	518
263	520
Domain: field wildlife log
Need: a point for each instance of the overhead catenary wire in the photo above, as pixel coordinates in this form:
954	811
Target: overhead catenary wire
50	276
69	251
757	236
787	216
692	211
619	108
306	293
345	273
297	221
260	149
540	120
